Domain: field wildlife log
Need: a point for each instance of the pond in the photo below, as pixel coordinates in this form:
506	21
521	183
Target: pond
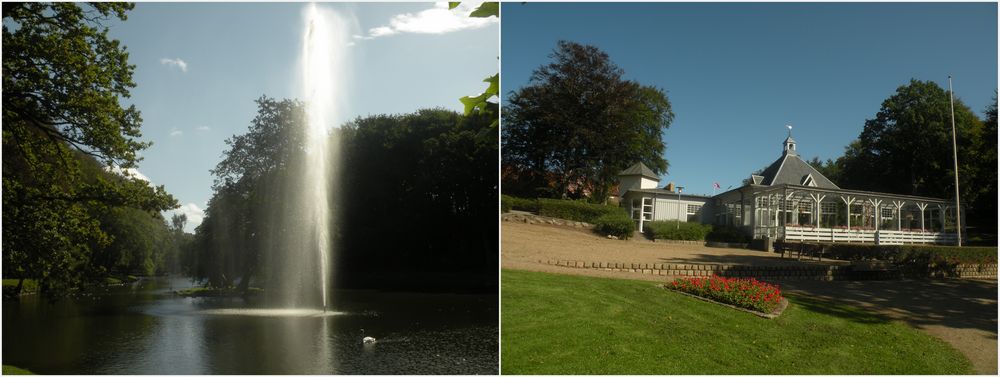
145	329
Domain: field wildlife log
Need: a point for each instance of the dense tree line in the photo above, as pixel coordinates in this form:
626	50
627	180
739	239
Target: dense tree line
416	201
907	149
577	124
68	221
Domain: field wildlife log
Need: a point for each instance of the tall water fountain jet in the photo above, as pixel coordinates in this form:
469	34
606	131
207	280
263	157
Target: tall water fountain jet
303	248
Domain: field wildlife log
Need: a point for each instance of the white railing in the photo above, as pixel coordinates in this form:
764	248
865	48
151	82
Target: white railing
881	237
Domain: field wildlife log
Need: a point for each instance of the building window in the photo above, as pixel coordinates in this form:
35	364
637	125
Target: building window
692	212
888	213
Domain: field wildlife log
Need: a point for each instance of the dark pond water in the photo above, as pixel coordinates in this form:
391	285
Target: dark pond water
144	329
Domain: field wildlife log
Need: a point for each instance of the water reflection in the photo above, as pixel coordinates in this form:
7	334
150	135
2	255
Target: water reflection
146	330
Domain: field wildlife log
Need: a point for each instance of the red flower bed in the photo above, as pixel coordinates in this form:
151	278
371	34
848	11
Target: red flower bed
742	292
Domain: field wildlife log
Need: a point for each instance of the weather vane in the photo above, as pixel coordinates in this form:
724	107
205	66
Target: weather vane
789	129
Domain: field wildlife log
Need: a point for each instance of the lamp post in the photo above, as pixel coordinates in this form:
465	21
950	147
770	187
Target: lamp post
954	151
679	189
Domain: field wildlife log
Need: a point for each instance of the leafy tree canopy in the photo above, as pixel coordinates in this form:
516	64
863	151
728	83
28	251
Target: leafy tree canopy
907	149
578	123
63	127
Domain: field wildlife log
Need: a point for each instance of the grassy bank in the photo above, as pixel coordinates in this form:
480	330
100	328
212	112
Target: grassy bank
555	324
10	369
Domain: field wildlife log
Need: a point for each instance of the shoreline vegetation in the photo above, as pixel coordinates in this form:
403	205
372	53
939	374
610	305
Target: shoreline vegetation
218	292
31	286
10	369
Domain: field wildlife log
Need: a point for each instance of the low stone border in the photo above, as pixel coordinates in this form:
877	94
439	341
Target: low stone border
677	242
801	272
772	315
530	218
786	272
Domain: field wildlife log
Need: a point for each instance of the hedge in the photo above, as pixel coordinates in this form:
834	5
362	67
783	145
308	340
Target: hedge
669	230
908	254
936	260
520	204
725	233
615	224
575	210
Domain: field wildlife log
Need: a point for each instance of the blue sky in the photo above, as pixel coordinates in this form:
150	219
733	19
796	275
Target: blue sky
736	74
199	67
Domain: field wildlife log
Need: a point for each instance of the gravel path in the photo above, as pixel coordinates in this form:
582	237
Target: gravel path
960	312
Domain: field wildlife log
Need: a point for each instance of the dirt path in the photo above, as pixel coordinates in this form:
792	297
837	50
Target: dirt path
960	312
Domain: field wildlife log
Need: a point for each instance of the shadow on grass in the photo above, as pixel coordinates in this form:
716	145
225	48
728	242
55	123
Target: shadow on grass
945	302
828	306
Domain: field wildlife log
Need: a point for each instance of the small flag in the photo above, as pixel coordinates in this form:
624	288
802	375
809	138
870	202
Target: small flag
717	185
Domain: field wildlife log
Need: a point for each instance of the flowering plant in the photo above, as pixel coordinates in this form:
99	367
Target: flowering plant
746	293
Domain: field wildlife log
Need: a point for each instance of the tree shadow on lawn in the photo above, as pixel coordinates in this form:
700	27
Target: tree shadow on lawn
946	302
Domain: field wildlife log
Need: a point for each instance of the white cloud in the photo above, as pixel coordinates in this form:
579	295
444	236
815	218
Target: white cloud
203	129
195	215
130	172
180	64
437	20
175	132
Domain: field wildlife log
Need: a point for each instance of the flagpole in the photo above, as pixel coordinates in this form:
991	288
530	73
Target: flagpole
954	150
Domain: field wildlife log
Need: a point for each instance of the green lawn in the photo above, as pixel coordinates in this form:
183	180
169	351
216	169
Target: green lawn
557	324
10	369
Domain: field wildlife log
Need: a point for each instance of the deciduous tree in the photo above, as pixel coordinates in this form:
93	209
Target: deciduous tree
578	123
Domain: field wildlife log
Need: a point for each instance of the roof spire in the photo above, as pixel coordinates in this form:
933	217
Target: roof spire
789	144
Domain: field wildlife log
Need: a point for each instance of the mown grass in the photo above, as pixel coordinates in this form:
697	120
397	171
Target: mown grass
556	324
10	369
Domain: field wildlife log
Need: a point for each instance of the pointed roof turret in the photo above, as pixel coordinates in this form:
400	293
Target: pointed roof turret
791	169
639	169
789	144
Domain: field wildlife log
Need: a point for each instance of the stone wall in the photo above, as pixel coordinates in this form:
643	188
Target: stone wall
797	272
530	218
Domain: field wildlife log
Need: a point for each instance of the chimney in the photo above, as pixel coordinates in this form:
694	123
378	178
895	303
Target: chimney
669	187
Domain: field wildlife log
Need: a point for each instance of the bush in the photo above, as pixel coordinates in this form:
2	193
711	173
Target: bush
506	202
669	230
615	224
936	260
746	293
521	204
725	233
575	210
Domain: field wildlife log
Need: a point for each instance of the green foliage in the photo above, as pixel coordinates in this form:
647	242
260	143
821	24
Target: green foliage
10	369
506	202
723	233
574	209
561	324
434	170
616	224
905	254
523	204
577	124
934	260
907	149
480	104
677	230
487	9
64	127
